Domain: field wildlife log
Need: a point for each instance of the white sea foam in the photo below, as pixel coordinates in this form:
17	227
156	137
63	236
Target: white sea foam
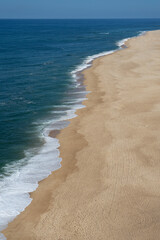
2	237
88	62
141	33
105	33
26	174
122	42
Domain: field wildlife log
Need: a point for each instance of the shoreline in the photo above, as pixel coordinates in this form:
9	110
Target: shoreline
44	194
55	127
51	130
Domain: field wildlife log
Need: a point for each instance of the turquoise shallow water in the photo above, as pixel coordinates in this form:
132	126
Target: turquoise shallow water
39	90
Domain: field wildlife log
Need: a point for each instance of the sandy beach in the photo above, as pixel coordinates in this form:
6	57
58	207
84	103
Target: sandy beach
108	187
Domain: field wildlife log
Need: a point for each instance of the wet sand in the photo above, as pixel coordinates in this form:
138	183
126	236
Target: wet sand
54	133
109	185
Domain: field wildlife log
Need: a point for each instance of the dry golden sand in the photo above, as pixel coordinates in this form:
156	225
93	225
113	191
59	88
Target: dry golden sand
109	185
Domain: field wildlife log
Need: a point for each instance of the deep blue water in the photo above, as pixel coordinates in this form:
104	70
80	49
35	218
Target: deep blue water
36	84
36	57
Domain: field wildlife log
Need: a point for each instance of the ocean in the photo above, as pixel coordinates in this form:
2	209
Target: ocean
40	91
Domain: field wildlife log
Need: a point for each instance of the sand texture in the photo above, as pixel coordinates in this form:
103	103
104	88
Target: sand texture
109	185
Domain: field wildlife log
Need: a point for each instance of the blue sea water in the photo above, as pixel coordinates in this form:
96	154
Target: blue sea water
39	91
